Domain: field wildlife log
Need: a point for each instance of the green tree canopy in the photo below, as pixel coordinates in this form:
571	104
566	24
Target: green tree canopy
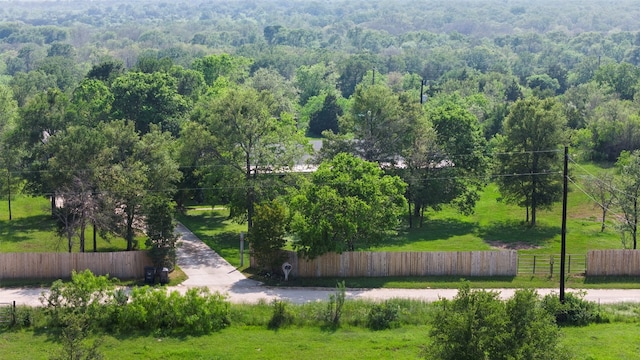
377	123
235	68
349	202
148	99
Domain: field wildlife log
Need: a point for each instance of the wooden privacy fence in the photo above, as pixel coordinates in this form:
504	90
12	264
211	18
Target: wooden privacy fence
123	264
613	263
374	264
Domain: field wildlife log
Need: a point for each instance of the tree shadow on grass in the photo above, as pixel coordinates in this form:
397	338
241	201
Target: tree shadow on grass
431	230
204	221
514	234
222	242
18	230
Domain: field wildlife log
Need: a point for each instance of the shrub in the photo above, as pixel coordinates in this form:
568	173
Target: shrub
383	316
281	315
83	296
197	312
575	311
478	325
267	236
334	308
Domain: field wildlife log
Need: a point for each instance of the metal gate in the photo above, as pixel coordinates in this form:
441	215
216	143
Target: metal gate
549	264
7	314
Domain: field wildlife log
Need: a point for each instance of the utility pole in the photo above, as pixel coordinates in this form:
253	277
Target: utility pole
423	96
563	248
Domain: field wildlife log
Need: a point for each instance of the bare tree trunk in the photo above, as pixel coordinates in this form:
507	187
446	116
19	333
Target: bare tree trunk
635	223
129	231
53	206
95	247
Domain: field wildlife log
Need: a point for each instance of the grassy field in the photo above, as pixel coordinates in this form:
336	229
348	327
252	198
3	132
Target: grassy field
603	342
31	229
498	225
493	225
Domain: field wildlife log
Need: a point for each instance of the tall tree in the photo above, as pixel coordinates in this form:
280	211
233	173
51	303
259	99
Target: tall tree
8	154
422	157
370	204
74	158
462	165
529	160
622	78
106	71
353	71
601	189
43	117
132	169
91	103
26	86
160	230
314	80
283	91
377	123
249	141
628	196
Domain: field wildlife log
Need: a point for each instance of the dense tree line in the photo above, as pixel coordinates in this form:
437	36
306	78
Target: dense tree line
209	101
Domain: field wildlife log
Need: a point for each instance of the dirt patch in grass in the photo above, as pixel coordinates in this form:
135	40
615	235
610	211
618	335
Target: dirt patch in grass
514	245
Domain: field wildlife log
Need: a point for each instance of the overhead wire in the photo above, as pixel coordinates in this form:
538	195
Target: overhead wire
414	179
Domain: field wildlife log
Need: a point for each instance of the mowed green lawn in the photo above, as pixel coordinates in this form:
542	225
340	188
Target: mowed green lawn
602	341
493	225
32	229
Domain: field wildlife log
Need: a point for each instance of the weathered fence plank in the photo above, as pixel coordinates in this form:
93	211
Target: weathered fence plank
123	265
613	263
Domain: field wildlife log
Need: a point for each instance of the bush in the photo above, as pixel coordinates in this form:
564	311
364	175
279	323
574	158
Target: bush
334	308
197	312
383	316
84	296
576	311
281	315
478	325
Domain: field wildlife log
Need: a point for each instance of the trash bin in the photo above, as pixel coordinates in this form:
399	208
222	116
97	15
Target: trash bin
149	274
164	276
